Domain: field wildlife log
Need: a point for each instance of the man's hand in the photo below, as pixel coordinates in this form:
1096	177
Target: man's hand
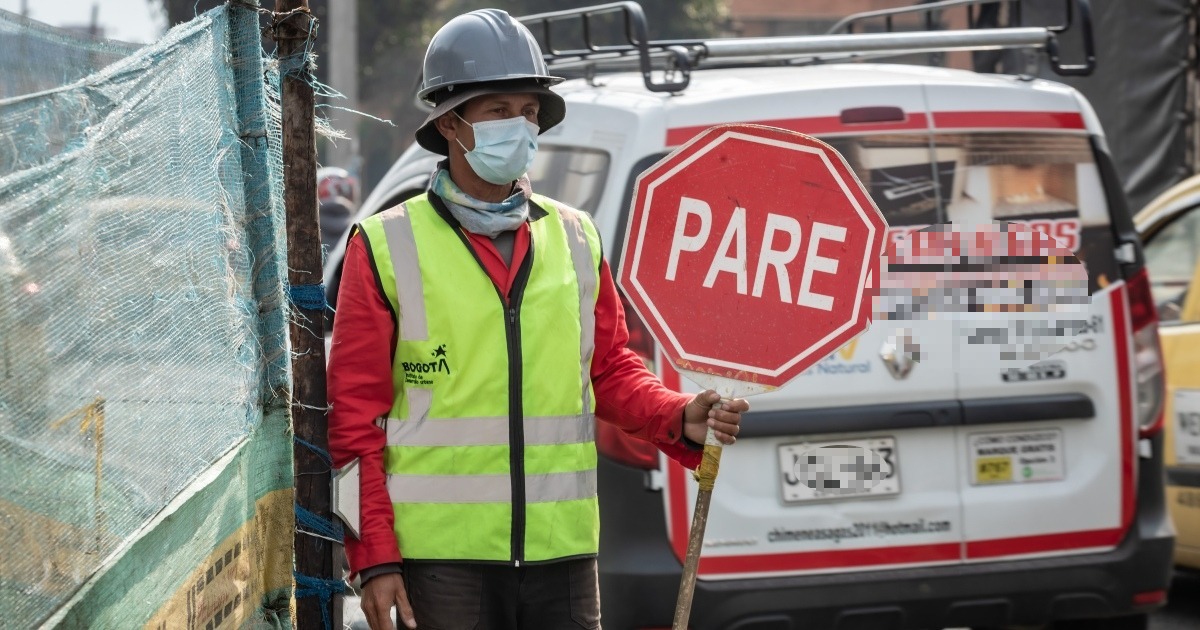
708	410
379	594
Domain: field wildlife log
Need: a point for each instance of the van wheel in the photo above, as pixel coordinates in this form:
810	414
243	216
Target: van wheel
1128	622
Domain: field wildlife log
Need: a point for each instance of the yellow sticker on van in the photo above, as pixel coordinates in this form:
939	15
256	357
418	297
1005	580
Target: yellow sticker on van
993	469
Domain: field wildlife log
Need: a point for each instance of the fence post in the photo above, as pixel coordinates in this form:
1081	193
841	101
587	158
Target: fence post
294	29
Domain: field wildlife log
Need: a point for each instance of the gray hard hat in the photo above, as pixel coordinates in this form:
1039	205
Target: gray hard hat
484	52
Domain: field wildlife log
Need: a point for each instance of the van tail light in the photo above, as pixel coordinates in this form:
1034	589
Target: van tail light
1147	355
611	441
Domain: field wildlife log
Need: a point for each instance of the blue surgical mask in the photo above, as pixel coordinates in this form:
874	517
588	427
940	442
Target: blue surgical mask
504	149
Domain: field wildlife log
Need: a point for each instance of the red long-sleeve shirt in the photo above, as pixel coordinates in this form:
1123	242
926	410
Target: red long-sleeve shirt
360	385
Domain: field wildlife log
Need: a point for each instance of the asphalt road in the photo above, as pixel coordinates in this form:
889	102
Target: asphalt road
1182	611
1183	605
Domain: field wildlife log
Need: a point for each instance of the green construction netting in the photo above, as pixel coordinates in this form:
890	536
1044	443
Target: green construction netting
145	466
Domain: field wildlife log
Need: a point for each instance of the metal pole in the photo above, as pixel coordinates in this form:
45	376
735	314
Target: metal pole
343	76
294	28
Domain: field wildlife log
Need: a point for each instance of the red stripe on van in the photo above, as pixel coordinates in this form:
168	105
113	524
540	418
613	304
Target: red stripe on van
680	523
1008	120
1120	308
819	125
808	560
1045	542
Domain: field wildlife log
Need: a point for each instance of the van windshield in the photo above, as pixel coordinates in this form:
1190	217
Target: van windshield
573	175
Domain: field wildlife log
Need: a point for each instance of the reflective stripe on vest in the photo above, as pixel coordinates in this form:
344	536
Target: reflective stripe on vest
566	486
488	431
407	273
449	434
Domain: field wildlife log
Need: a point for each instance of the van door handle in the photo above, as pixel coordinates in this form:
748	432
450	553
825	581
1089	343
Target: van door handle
1028	409
916	415
853	419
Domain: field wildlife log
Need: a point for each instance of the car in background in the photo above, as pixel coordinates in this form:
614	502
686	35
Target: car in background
1170	228
1076	539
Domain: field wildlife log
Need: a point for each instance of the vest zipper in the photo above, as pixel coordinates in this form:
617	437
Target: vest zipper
516	413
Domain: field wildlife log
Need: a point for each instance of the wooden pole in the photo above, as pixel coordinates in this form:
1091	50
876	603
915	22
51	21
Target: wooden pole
706	475
294	28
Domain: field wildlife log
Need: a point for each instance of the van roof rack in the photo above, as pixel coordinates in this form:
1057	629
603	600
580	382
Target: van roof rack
676	59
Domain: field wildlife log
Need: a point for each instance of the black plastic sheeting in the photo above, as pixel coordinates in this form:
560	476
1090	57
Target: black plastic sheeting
1139	88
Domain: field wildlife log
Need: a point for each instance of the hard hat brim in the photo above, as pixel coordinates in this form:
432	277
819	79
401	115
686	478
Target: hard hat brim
551	111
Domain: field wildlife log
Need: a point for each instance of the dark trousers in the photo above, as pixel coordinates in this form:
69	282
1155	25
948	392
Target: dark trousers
457	596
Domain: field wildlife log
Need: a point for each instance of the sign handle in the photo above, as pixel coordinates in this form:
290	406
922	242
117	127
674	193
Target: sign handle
706	475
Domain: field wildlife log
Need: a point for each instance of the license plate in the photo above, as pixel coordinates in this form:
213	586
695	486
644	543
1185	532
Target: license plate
844	469
1016	457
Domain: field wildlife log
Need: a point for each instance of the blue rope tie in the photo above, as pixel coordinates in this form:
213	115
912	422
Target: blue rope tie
320	452
312	523
298	65
308	296
308	586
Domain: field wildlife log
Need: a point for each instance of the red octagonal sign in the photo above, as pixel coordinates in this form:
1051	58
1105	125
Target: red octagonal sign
751	253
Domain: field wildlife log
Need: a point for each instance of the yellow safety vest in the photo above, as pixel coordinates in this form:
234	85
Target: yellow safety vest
490	442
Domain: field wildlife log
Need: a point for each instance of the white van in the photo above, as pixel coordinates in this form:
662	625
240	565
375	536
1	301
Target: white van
964	535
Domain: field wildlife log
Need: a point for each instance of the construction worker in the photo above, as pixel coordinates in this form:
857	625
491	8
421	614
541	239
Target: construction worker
478	337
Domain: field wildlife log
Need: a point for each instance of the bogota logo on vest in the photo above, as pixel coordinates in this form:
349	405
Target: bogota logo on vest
421	372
